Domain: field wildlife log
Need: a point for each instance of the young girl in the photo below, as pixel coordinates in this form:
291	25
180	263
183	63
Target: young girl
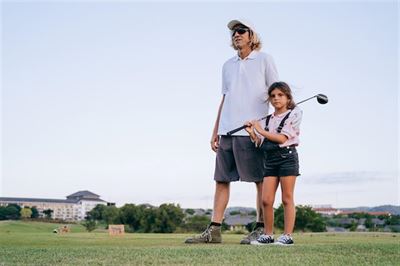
278	140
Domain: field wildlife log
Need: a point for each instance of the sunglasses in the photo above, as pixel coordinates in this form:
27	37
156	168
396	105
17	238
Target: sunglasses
240	31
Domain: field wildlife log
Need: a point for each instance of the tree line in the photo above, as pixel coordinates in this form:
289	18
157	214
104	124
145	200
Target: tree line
167	218
137	218
15	212
170	218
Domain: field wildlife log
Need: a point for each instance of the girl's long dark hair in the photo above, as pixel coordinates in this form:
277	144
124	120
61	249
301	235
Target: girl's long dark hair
283	87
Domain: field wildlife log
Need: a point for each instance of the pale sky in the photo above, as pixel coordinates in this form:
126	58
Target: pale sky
120	98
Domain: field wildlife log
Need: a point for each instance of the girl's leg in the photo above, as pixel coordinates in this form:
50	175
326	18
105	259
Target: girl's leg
287	187
270	185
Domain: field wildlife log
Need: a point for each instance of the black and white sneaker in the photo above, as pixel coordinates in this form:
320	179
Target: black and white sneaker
263	240
285	240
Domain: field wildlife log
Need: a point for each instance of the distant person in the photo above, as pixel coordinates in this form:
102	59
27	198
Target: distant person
278	141
246	78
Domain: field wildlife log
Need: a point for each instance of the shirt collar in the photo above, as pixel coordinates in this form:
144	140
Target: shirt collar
283	114
252	55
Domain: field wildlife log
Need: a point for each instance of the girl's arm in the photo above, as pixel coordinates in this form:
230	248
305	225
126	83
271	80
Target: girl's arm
279	138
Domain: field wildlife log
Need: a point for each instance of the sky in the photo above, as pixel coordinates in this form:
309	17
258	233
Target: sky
120	98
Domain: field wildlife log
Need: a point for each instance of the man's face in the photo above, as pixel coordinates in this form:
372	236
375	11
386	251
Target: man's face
241	36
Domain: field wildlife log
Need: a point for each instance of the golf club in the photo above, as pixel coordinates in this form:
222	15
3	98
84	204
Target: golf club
321	99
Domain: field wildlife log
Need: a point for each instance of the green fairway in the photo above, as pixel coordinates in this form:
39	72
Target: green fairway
33	243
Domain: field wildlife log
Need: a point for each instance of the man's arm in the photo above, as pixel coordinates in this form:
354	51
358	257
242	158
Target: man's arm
214	137
271	73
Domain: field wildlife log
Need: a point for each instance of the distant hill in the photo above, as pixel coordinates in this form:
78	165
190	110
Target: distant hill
384	208
395	210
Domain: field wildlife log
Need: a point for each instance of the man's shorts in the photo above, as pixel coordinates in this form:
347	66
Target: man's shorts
281	162
238	159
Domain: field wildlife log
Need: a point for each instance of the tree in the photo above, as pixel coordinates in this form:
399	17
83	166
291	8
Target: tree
393	220
306	219
234	213
48	213
148	220
97	213
196	223
10	212
111	215
26	213
253	213
131	215
368	223
189	211
168	218
90	225
35	212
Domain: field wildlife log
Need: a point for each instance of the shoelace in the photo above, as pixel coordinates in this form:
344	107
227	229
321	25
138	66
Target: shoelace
254	233
264	238
284	238
207	234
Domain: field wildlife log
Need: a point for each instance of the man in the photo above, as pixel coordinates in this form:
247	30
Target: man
245	81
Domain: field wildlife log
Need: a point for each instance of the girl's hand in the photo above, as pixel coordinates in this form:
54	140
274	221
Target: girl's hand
256	125
249	127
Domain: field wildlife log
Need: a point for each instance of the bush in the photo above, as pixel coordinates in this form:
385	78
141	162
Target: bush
90	225
196	223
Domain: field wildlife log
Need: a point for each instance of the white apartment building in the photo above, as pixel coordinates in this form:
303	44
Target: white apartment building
74	208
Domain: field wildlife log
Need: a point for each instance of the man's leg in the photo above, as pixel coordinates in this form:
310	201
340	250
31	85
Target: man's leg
213	232
221	198
225	172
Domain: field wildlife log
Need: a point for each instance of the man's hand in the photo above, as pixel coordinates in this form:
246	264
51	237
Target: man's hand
214	142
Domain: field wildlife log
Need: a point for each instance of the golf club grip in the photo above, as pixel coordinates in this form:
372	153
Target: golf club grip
236	130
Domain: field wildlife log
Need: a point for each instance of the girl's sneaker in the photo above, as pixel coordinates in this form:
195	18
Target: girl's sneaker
263	240
285	240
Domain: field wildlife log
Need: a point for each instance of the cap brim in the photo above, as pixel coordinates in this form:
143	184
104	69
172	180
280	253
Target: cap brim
233	23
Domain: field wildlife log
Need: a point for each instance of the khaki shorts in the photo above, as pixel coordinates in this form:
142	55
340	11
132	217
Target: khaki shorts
238	159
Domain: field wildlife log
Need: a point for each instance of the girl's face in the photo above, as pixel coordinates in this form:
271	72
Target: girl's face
278	99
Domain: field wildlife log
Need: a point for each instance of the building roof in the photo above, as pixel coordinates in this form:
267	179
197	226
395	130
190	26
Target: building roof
325	210
239	220
9	199
84	194
367	212
73	198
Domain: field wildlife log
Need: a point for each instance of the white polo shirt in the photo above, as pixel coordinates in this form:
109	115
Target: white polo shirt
245	83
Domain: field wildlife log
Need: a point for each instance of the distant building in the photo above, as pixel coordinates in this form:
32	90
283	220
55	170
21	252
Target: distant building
326	210
336	229
239	222
74	208
366	212
361	228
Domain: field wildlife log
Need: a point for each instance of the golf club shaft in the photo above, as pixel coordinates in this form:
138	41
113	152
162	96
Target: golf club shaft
244	126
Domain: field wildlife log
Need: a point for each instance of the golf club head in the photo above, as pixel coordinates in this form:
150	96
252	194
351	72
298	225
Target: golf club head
322	99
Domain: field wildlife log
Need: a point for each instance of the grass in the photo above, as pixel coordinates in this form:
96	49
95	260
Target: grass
33	243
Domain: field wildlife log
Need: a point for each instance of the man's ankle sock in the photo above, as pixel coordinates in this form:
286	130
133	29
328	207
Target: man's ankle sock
214	223
259	224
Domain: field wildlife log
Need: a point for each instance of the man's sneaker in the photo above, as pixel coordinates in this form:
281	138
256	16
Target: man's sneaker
263	240
252	236
285	240
211	235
